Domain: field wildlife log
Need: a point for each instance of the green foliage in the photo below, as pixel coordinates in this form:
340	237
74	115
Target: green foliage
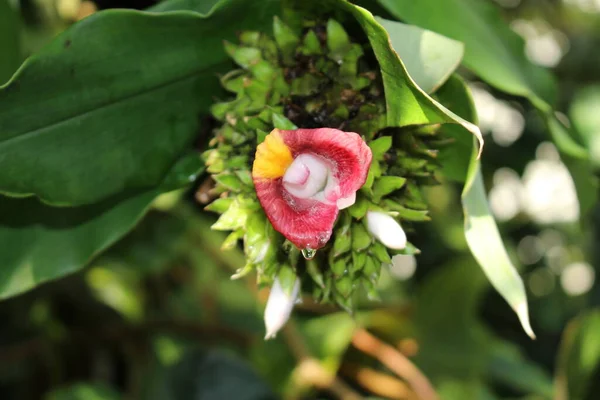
211	375
481	231
83	391
105	123
579	358
586	119
409	105
428	57
52	242
492	50
139	110
495	54
10	55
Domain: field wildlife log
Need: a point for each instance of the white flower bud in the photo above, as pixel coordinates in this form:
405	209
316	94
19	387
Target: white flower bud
279	307
386	229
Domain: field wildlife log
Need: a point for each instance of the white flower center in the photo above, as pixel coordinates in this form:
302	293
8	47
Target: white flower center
308	177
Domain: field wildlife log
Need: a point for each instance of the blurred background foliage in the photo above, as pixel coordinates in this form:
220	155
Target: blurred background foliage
157	317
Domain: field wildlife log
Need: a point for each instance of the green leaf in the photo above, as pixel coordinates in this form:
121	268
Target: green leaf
508	366
343	286
233	218
386	185
230	181
577	160
380	252
286	38
579	358
281	122
486	246
232	239
342	243
496	54
83	391
287	278
492	50
41	243
311	44
455	159
380	146
359	209
220	205
10	55
243	56
360	237
429	58
407	213
407	104
481	231
338	41
115	114
586	119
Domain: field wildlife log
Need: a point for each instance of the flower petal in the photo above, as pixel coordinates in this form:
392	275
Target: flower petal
305	222
346	202
304	208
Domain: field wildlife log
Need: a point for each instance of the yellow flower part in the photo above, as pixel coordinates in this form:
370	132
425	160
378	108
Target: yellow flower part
273	157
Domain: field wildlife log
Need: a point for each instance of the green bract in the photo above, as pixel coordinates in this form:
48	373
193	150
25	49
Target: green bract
314	76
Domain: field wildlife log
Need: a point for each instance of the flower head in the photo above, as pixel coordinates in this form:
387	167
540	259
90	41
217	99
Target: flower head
303	178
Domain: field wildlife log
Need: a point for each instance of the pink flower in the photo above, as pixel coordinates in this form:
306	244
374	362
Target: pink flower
303	178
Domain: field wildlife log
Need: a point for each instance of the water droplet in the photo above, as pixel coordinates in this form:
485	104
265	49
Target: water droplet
309	253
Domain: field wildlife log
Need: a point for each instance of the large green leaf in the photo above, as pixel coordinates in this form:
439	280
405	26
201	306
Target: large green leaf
496	54
40	242
407	103
481	231
492	49
429	58
9	41
578	371
486	246
112	102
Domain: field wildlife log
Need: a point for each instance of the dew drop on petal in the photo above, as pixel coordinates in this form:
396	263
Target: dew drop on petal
308	253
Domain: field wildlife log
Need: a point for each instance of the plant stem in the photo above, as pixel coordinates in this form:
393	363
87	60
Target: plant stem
310	371
396	362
